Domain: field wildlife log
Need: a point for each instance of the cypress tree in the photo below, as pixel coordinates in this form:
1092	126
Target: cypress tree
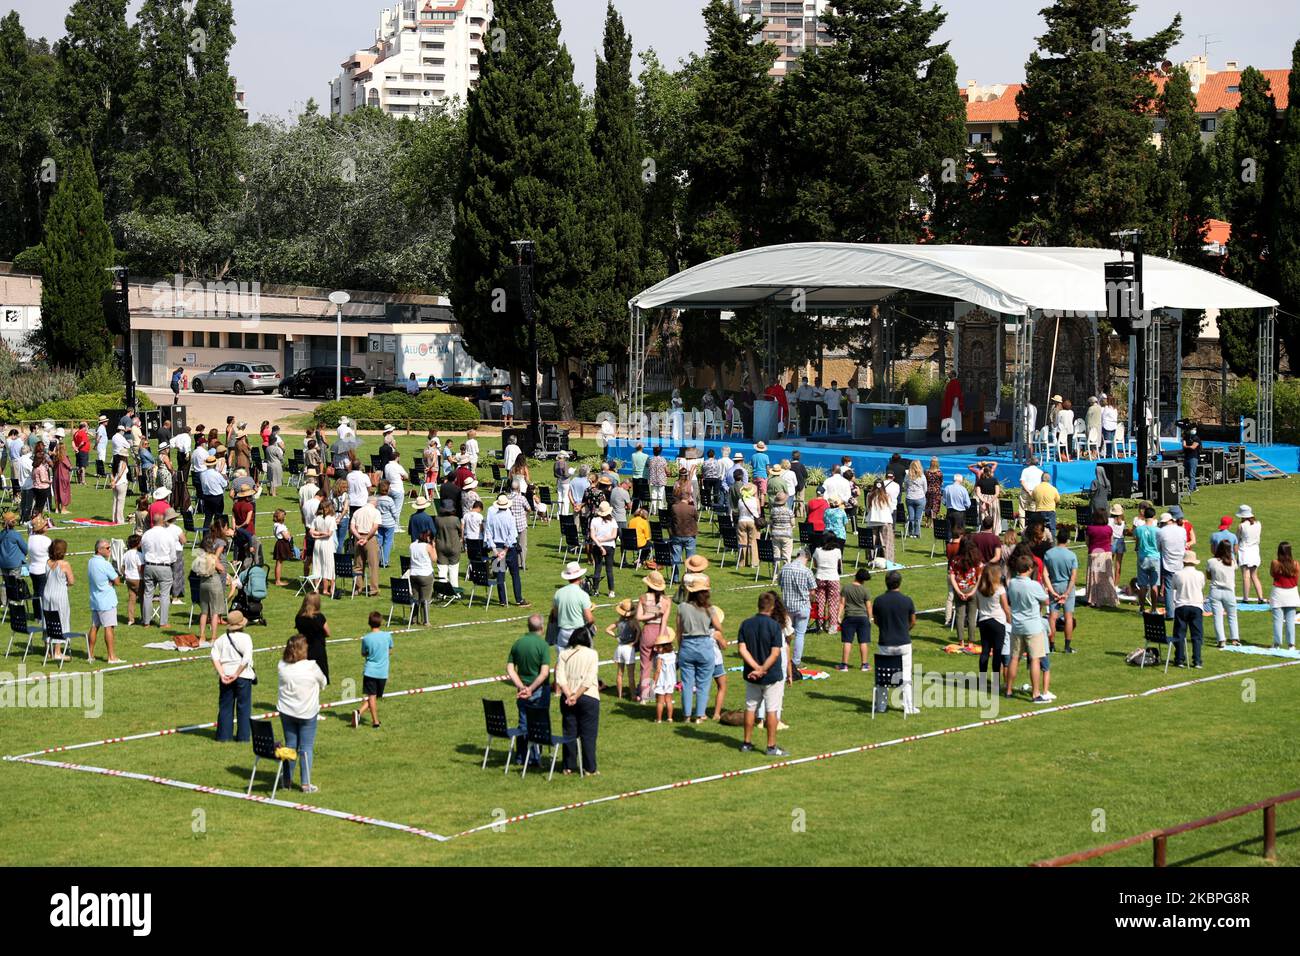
1080	163
1285	245
215	120
25	105
1247	196
78	254
528	174
97	62
1182	180
158	117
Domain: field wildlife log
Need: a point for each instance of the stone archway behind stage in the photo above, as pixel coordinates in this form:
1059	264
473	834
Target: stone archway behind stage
1075	373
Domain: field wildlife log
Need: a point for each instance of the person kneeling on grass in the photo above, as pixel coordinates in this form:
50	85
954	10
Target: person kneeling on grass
760	643
375	650
1027	600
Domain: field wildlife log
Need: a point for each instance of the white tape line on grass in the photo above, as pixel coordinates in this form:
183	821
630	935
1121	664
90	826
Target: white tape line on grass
236	795
730	774
268	715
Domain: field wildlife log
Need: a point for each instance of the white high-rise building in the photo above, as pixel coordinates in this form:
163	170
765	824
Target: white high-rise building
792	25
425	51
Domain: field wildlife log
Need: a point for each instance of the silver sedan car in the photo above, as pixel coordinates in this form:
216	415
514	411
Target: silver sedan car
238	377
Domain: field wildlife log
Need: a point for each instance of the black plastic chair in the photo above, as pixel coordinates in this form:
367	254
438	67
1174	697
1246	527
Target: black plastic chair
570	541
18	625
480	576
641	492
264	746
56	636
343	568
1155	632
498	727
404	564
16	591
805	533
475	549
657	533
868	541
663	552
728	540
942	535
627	544
766	555
888	674
400	591
539	734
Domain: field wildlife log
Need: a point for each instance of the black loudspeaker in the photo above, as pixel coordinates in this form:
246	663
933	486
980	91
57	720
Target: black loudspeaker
1120	474
151	422
1237	453
555	439
177	414
524	438
1162	482
1232	472
1205	473
1218	465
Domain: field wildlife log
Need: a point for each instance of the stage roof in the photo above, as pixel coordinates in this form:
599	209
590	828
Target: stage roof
1007	279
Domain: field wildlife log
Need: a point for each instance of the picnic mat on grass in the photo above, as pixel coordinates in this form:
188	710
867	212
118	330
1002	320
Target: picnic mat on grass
171	646
1265	651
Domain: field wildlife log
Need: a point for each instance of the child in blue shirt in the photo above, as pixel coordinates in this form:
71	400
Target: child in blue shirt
375	649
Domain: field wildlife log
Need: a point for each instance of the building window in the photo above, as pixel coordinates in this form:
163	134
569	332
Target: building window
1209	124
236	340
372	98
178	339
214	340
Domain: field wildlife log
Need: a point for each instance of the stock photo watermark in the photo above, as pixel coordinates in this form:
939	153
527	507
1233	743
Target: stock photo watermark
84	692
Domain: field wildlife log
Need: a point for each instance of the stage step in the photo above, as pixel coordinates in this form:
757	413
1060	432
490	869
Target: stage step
1260	470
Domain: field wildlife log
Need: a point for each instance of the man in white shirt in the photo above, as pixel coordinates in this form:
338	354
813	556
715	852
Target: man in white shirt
470	449
837	486
358	487
807	397
831	399
23	477
364	529
101	439
1030	478
1189	608
158	549
395	474
511	453
1172	541
121	443
183	443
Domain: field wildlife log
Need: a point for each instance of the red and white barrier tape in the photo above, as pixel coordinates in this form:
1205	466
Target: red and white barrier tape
235	794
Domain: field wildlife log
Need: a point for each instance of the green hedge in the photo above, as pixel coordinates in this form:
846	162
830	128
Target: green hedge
1286	406
589	408
81	407
431	407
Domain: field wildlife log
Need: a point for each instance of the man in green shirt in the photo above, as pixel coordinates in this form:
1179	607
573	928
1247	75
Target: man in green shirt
639	460
529	668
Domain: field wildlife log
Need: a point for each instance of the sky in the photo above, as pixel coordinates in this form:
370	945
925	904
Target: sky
288	50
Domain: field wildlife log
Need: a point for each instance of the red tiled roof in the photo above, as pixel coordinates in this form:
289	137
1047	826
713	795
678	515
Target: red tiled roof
1217	231
1001	110
1214	95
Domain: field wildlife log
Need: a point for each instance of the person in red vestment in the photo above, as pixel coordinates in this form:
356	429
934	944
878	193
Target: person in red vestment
775	391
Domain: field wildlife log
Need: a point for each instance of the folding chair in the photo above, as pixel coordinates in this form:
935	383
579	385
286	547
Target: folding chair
480	576
312	581
888	673
55	636
942	535
570	542
729	540
1154	632
766	554
539	734
264	747
400	590
101	476
344	568
868	541
18	625
663	552
498	727
443	590
626	544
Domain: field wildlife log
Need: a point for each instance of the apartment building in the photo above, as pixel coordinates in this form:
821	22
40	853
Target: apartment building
425	52
791	25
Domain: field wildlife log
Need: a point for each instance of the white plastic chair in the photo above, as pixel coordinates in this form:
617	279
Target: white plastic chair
712	425
737	426
1045	439
1094	441
1125	444
818	423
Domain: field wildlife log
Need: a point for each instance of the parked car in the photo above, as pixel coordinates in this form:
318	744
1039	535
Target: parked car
318	382
237	377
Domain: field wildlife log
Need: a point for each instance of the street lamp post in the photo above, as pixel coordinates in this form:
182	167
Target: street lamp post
339	299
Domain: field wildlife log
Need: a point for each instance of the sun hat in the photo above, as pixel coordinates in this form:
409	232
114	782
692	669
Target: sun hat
247	491
624	607
1117	510
606	479
698	582
654	581
1177	512
696	563
572	571
1057	398
160	493
761	446
604	510
1189	557
343	420
171	515
420	503
1092	399
470	484
737	457
103	418
163	446
1225	522
1245	511
59	433
1165	518
503	502
666	636
47	424
235	619
775	470
780	498
311	473
389	428
748	491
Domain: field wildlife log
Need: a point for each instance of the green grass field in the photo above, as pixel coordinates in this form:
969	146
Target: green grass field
1003	794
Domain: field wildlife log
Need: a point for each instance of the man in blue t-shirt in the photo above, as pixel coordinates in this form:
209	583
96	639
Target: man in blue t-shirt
103	600
760	648
1062	567
375	648
1028	601
1148	558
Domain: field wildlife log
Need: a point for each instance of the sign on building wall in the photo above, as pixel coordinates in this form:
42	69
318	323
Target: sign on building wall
17	322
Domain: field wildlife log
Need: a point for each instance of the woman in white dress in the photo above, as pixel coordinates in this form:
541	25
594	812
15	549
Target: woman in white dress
1065	428
1249	533
323	527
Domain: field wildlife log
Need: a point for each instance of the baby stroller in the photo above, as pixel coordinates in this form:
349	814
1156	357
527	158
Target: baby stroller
252	590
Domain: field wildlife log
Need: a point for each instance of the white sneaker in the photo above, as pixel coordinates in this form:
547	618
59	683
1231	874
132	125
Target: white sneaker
611	593
176	601
1049	696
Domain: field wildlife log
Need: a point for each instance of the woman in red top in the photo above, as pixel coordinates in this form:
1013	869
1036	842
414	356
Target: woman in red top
963	577
1285	597
1100	588
817	516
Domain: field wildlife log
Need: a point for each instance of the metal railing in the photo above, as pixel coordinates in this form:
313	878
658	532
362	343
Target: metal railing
1160	838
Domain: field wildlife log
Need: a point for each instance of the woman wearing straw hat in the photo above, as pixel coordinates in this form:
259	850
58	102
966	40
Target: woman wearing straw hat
603	531
232	658
748	511
699	630
652	613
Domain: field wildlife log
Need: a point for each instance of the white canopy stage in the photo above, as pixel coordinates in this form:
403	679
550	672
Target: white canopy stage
1018	281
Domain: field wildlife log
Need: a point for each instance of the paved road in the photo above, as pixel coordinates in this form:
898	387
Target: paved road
211	408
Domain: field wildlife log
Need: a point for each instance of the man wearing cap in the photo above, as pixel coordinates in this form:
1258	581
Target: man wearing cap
364	529
501	536
686	528
1172	541
158	549
761	464
1189	607
571	605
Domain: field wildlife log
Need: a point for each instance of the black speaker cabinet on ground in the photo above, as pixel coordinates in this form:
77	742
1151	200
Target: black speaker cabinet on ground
524	437
178	417
1162	482
1120	474
1217	465
151	422
1232	472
